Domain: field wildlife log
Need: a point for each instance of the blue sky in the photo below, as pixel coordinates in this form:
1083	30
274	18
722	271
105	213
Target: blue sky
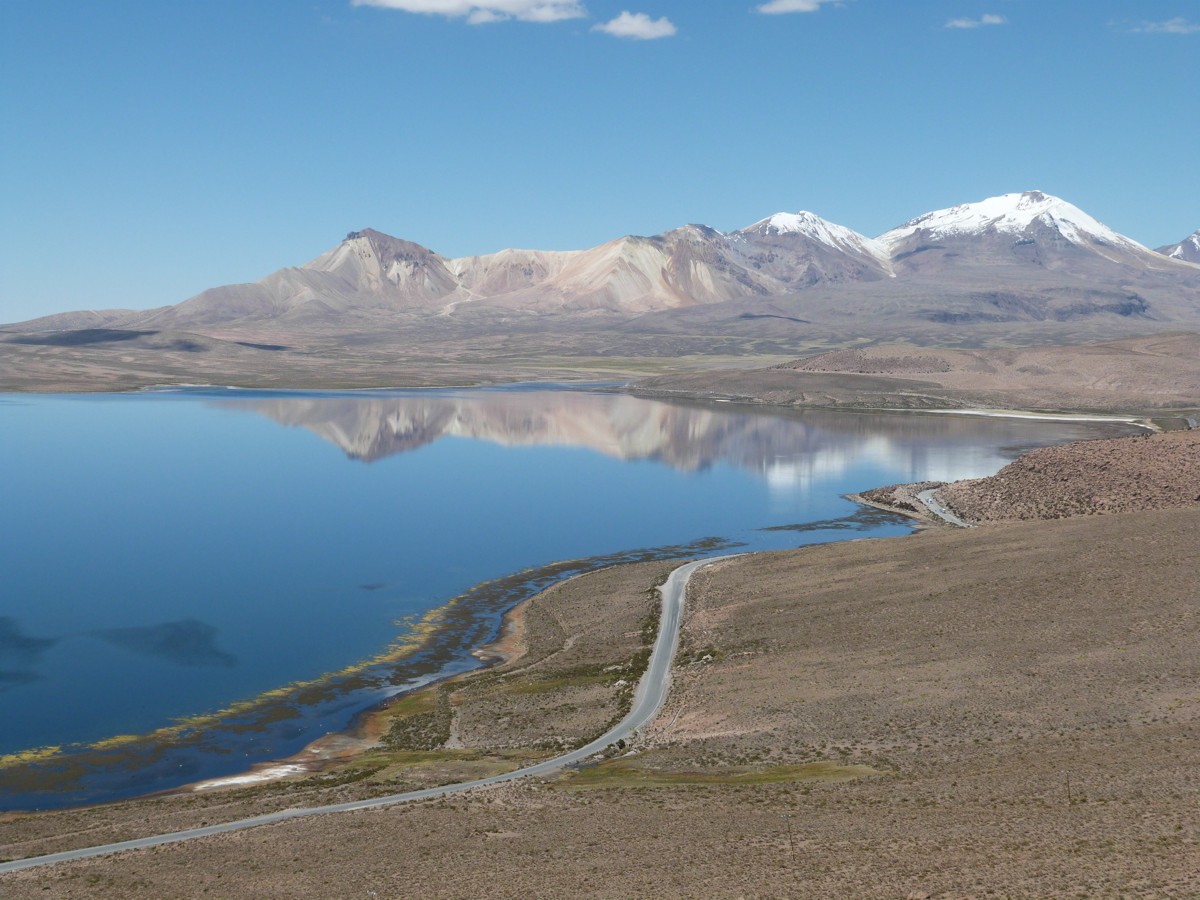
154	148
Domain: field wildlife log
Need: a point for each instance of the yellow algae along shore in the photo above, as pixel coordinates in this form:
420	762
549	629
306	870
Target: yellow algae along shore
452	631
417	635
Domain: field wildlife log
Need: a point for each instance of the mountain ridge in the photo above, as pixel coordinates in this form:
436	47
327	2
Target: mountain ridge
1187	250
1028	257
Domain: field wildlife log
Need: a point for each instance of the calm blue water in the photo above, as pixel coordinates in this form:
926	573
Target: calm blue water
167	554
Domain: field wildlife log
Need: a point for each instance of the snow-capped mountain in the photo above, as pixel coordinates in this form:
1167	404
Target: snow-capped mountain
1187	250
812	226
1026	257
1015	221
1009	214
1035	256
804	249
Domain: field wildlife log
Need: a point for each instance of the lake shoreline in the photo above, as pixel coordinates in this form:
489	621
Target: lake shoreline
368	727
968	551
363	729
478	629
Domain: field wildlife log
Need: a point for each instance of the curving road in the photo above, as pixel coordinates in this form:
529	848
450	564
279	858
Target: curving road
940	511
647	701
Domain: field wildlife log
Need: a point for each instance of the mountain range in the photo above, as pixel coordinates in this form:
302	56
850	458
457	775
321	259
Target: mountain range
1038	255
1018	269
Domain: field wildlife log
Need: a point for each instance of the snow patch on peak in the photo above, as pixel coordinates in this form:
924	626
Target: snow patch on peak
803	222
812	226
1012	214
1186	251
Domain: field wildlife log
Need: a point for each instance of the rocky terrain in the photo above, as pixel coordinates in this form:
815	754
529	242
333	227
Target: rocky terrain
1159	471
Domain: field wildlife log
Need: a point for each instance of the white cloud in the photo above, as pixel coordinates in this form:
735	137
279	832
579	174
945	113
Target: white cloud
1178	25
988	19
478	12
638	27
778	7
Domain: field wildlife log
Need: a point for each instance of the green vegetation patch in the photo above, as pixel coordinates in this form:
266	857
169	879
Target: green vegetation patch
619	773
420	721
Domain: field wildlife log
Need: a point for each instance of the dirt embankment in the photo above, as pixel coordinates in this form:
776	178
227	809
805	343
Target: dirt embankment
1159	471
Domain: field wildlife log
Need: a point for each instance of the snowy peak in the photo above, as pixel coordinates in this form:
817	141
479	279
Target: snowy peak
812	226
1187	250
802	222
1011	214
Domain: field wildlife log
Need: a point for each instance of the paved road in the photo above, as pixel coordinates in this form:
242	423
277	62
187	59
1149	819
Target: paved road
647	701
940	511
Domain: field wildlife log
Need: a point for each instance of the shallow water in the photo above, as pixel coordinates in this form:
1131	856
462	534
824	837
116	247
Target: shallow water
169	554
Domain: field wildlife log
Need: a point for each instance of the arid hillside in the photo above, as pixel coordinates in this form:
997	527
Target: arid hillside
1088	477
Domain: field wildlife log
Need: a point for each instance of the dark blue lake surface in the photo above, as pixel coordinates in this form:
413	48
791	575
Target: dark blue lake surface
165	555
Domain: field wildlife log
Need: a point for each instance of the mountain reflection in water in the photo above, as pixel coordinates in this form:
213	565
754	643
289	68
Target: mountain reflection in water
193	589
789	449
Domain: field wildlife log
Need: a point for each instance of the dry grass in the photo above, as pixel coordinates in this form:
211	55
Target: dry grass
976	671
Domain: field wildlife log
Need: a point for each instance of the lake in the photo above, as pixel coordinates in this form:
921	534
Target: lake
198	580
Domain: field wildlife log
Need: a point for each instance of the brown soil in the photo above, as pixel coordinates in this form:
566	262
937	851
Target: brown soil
1152	373
293	358
1155	371
1159	471
910	709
